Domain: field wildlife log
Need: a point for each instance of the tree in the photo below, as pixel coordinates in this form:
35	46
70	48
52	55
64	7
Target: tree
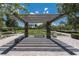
62	25
10	9
1	23
71	11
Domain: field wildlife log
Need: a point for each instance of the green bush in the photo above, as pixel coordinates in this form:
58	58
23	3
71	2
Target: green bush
4	29
68	31
75	35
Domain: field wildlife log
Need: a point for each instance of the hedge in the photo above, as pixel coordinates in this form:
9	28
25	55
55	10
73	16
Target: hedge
75	35
68	31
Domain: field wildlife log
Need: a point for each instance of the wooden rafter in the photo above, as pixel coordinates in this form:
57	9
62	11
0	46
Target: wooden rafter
58	17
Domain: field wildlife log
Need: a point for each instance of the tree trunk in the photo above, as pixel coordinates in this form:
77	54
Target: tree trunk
26	29
74	25
48	35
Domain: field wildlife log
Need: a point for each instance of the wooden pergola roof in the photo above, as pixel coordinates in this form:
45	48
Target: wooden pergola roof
40	18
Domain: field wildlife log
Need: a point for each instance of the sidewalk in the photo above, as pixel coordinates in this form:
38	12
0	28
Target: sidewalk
69	40
8	39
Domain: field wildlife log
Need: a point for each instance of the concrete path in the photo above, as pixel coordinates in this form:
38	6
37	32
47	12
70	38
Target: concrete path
69	40
6	40
37	46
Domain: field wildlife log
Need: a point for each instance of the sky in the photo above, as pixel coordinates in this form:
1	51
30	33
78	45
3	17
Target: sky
44	8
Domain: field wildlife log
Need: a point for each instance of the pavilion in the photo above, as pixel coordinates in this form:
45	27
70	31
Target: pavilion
41	18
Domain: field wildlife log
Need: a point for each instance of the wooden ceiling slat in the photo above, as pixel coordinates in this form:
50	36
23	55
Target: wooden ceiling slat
38	18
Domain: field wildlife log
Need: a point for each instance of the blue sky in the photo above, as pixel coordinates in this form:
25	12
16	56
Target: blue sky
44	8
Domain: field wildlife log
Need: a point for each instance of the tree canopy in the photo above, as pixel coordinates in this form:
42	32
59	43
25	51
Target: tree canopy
71	10
9	10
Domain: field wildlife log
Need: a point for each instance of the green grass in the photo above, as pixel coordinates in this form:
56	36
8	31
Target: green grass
75	35
33	31
19	31
37	32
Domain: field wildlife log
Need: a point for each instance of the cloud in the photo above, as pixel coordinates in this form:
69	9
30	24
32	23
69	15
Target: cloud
47	12
36	12
32	13
45	9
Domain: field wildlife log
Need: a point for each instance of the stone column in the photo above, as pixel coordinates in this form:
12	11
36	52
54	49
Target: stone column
48	28
26	29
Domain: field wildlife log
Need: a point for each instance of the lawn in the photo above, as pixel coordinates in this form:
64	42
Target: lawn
37	31
33	31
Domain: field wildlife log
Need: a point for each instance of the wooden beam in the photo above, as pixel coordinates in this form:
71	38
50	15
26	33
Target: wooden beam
26	29
60	16
48	28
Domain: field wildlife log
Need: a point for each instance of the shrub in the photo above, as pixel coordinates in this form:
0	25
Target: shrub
4	29
75	35
67	31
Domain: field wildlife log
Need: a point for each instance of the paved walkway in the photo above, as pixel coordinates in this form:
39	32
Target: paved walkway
69	40
6	40
37	46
